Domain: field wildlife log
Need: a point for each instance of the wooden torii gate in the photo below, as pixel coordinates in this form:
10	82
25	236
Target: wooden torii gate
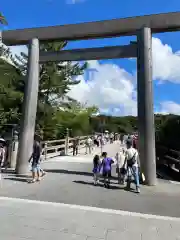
141	26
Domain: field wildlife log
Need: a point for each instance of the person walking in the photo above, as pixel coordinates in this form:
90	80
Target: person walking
111	137
132	162
120	168
2	155
122	138
107	167
88	145
75	146
96	168
36	158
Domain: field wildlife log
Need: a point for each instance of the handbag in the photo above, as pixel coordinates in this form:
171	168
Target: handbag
123	171
131	161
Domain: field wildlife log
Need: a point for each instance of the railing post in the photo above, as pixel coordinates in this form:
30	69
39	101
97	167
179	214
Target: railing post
145	105
45	150
67	142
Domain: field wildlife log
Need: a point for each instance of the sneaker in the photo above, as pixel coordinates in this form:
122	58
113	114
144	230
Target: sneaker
32	181
138	190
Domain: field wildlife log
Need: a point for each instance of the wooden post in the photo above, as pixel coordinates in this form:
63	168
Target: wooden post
45	150
67	142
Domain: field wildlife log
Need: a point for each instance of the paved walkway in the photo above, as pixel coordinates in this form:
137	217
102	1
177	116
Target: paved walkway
32	220
66	205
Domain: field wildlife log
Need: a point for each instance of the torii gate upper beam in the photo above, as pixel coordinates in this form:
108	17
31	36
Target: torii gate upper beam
165	22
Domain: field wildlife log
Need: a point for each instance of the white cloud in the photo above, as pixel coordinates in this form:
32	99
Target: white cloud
170	107
111	88
166	63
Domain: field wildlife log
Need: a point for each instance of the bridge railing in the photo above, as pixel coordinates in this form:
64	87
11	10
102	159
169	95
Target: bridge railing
61	147
169	158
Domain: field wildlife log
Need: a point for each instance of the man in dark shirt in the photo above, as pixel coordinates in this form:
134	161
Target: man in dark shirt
75	146
35	158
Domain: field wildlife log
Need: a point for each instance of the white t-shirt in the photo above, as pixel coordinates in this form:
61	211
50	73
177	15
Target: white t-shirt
130	153
89	141
120	158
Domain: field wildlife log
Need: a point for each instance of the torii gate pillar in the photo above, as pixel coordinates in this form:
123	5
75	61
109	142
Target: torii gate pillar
29	109
145	106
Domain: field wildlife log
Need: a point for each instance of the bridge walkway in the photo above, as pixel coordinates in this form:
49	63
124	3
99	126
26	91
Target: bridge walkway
73	208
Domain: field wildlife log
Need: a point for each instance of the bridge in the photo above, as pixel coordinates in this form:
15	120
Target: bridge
73	208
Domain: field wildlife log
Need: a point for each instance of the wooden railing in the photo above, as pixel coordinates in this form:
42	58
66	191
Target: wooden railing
169	158
61	147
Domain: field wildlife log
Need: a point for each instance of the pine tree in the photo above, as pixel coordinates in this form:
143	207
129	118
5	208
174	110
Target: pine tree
3	19
55	80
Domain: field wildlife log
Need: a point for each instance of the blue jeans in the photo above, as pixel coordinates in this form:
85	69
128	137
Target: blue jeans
36	168
135	172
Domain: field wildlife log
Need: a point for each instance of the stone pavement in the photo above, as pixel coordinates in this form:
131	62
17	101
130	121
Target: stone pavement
32	220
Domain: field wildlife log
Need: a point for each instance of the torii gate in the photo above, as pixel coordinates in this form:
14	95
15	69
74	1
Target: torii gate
142	27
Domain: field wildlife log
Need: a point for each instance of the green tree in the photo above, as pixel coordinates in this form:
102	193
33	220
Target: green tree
3	19
55	81
10	98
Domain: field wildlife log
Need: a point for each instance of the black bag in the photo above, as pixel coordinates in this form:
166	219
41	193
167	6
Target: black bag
123	171
131	161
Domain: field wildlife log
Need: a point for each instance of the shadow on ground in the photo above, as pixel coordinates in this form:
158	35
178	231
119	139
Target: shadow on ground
98	185
17	179
64	171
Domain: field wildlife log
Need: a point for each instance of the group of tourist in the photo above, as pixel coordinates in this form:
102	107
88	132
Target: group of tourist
97	140
127	166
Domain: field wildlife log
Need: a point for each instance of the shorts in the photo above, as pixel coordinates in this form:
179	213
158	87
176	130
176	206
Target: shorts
107	174
36	167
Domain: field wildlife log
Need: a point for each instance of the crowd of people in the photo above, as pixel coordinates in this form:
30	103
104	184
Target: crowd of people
126	159
98	140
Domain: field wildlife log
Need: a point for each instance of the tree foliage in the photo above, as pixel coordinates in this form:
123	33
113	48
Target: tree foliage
56	111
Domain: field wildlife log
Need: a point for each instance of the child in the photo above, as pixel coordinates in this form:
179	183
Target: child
106	164
96	168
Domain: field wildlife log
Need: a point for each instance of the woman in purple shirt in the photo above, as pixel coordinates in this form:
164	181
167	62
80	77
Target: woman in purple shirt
107	166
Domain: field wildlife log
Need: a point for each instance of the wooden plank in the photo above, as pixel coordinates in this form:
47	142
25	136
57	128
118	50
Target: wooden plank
126	51
164	22
55	141
171	159
56	147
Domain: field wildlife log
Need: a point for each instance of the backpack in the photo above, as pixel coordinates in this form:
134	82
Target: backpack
132	160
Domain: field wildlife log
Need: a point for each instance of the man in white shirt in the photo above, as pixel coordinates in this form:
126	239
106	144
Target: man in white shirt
88	144
132	161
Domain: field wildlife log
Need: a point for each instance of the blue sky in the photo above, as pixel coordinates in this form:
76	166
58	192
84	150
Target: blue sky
112	86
